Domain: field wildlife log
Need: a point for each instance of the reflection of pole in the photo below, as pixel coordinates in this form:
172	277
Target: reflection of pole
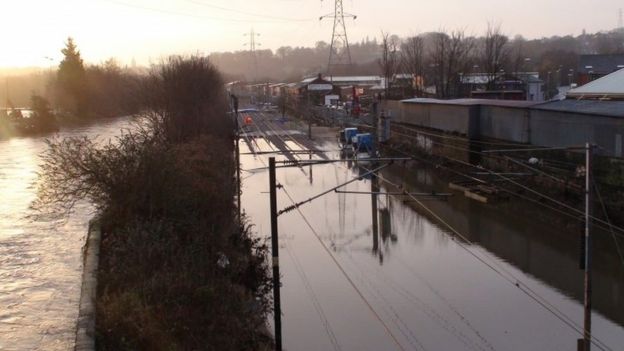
588	244
309	113
238	174
311	179
374	192
277	310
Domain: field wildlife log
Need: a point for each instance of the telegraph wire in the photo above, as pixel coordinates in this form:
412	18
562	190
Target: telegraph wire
606	214
285	19
507	179
419	303
502	271
315	302
493	265
394	316
186	14
342	270
454	309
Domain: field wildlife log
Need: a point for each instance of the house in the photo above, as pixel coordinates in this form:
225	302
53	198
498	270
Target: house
609	87
592	67
517	86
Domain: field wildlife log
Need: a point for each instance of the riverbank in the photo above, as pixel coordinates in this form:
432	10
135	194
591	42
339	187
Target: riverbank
177	270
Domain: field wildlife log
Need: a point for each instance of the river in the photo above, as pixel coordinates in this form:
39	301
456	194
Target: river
409	283
40	261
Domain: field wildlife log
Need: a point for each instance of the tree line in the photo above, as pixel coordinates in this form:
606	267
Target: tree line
440	57
74	91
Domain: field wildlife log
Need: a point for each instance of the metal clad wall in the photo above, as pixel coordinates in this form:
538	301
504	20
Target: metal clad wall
553	128
517	124
505	123
448	118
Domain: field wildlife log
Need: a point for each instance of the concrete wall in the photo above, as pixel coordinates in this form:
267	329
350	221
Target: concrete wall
517	124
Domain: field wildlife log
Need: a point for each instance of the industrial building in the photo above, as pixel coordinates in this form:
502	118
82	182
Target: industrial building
592	113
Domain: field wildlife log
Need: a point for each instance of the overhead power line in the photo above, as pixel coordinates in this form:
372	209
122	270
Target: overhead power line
193	15
248	13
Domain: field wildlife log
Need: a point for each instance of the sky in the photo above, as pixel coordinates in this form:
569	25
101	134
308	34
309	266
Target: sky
33	31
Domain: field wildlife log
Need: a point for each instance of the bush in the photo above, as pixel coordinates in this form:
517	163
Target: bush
177	272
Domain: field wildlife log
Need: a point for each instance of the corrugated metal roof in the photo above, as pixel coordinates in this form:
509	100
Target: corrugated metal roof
601	64
611	85
342	79
353	78
592	107
472	102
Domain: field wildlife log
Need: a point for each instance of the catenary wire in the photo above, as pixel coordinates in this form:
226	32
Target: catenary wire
342	270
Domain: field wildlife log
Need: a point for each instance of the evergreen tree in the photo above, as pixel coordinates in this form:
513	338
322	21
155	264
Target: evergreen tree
72	81
42	118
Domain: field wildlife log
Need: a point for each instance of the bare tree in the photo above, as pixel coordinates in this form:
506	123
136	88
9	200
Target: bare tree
450	56
438	57
459	52
412	59
389	58
494	53
518	57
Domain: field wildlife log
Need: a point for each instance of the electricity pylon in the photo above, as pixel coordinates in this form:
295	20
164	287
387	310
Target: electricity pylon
252	50
339	53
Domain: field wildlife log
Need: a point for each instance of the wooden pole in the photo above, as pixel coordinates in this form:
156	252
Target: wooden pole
588	246
239	191
277	311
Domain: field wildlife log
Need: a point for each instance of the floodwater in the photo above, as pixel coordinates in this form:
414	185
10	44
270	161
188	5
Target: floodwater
40	261
398	279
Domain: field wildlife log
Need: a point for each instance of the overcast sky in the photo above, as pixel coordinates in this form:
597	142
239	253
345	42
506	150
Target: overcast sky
150	29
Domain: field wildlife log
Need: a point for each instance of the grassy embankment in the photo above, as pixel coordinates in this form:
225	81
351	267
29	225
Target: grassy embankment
177	272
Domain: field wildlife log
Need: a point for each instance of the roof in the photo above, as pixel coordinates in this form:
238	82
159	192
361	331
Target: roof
609	86
476	78
484	78
592	107
473	102
403	76
345	79
337	79
602	64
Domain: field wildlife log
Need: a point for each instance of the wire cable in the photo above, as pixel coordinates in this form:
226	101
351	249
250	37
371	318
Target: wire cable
344	273
315	302
285	19
529	189
604	210
510	192
502	271
186	14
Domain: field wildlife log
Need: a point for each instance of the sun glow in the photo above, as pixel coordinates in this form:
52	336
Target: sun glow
33	31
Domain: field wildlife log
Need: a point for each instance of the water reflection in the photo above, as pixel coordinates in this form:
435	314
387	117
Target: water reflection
429	291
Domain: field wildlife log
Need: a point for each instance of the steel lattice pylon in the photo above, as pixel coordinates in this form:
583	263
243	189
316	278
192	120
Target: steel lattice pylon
339	52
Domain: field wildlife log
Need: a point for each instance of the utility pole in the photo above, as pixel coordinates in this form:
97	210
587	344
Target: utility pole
339	52
234	101
277	310
586	341
252	50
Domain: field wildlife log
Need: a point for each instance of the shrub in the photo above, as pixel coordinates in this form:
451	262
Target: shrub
177	272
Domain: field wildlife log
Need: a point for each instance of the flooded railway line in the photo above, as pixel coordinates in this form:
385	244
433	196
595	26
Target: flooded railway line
429	291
